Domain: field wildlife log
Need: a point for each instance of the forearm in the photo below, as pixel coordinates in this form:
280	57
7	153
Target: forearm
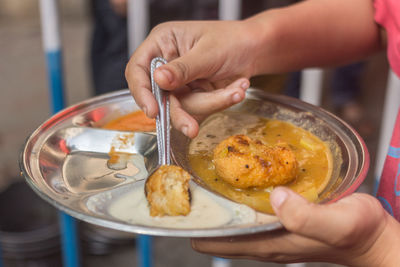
313	33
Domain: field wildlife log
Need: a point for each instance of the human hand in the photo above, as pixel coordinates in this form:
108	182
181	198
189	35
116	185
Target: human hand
208	70
354	231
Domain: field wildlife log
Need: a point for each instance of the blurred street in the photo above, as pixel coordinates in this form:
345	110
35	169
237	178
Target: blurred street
24	105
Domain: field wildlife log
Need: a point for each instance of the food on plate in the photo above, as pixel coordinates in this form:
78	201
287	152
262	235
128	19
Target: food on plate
247	174
244	162
167	191
135	121
207	211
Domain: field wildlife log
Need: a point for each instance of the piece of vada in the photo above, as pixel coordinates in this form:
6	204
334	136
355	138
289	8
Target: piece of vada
167	191
247	163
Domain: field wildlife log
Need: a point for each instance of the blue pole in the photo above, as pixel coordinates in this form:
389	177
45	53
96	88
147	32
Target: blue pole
54	72
144	251
52	47
69	239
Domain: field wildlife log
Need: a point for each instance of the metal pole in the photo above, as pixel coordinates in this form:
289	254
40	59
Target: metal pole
296	265
390	108
145	254
70	243
52	47
229	9
138	23
138	27
311	86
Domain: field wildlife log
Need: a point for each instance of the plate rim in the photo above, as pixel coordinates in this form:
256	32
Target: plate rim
162	231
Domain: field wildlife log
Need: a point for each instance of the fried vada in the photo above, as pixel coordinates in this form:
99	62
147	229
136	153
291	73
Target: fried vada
247	163
167	191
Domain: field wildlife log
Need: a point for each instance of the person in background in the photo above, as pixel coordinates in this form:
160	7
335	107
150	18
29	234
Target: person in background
208	70
109	45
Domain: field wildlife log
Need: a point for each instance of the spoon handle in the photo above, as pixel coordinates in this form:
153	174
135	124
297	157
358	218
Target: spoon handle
163	118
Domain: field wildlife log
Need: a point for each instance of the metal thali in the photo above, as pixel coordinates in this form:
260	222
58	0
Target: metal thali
65	161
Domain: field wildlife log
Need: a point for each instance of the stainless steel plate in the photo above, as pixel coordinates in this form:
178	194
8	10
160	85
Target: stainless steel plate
65	162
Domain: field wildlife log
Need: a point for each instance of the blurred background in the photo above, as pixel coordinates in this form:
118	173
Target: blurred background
95	50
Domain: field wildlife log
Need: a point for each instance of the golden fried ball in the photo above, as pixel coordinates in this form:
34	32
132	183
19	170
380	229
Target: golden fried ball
167	191
247	163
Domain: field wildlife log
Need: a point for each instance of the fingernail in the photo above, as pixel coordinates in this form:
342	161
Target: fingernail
167	74
245	85
236	97
185	130
278	196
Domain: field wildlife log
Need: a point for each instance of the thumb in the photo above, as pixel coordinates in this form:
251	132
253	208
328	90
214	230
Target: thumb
329	223
191	66
293	210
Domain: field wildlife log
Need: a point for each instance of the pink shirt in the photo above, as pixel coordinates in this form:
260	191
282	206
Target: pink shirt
387	14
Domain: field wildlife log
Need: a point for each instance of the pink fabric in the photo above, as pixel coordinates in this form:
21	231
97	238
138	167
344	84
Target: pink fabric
387	14
389	187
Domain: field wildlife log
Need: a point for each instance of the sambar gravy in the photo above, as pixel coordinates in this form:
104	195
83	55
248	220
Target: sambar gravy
313	155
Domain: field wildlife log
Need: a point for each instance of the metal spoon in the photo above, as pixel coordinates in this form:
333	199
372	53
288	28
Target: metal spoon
167	188
162	121
163	124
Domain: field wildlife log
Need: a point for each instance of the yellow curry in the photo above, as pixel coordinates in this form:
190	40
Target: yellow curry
312	154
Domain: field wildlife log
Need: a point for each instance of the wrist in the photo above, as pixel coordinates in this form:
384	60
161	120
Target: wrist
385	249
259	32
274	42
